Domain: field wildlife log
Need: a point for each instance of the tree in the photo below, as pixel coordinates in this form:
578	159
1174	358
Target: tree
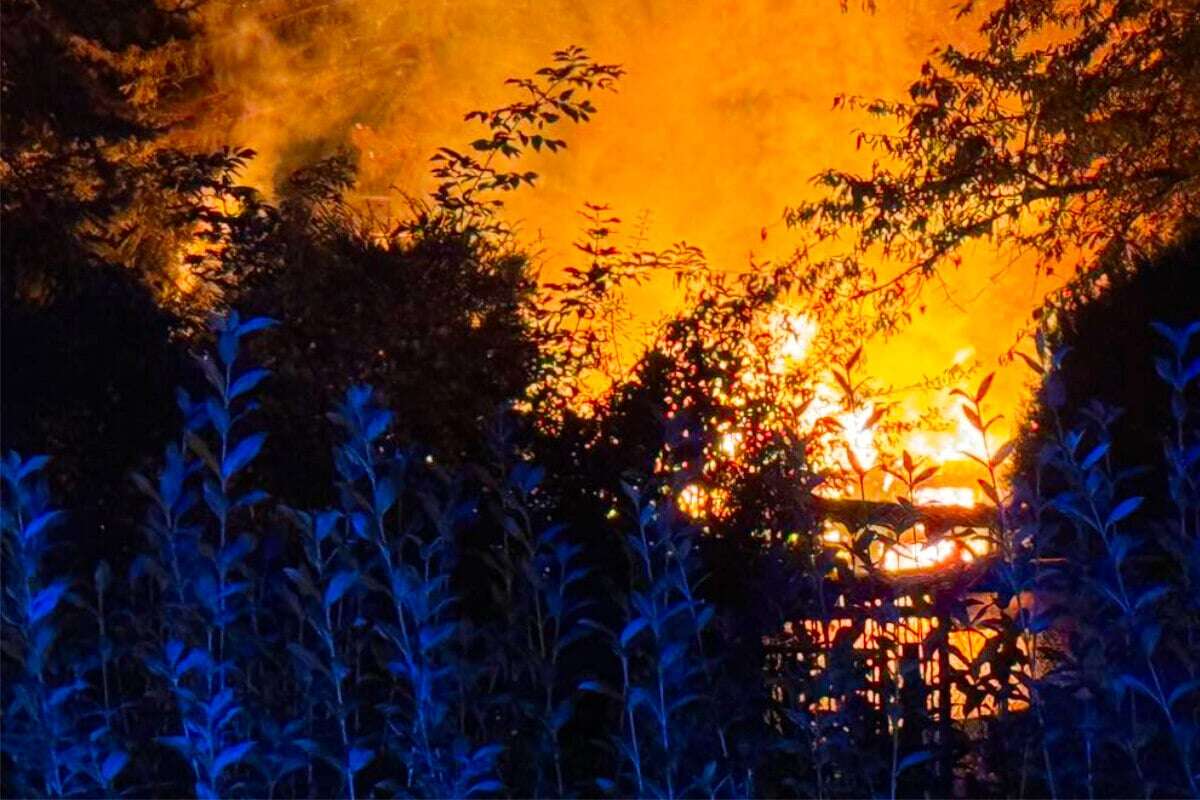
1074	128
436	309
94	207
432	318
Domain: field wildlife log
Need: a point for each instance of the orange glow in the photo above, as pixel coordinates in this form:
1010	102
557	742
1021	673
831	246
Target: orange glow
718	126
912	631
961	496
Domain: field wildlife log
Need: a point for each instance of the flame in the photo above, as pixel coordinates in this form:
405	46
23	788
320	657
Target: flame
719	124
717	127
962	496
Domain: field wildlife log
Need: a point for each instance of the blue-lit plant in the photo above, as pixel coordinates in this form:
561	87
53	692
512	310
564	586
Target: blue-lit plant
668	745
205	562
411	552
320	584
1126	592
538	577
59	740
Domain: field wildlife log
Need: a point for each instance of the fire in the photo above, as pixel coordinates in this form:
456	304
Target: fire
854	443
961	496
710	137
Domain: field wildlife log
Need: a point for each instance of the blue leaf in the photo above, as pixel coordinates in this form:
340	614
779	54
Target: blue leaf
385	496
1151	595
251	498
242	454
324	524
46	600
490	785
196	659
379	422
174	650
32	464
218	414
1191	372
255	324
178	743
230	756
1181	691
113	765
234	552
912	759
361	524
247	381
359	758
1123	510
217	503
40	523
338	585
227	346
631	630
1094	456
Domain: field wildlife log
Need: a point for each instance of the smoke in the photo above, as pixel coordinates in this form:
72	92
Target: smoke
724	115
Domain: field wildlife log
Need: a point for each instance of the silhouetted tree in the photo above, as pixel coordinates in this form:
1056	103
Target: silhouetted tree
1072	127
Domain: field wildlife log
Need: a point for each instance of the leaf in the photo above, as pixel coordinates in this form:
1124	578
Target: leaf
359	758
1182	690
1098	453
227	347
113	765
255	324
489	785
1002	453
201	448
913	759
385	496
32	464
46	600
251	498
1033	365
179	743
218	414
380	421
230	756
631	630
1151	595
246	382
973	418
324	523
145	486
102	576
990	491
1131	681
217	502
361	524
984	385
40	523
854	359
338	585
245	452
308	659
1123	510
596	687
196	659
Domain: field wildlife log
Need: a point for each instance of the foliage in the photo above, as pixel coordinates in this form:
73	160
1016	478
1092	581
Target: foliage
348	649
467	186
627	591
1070	128
46	701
